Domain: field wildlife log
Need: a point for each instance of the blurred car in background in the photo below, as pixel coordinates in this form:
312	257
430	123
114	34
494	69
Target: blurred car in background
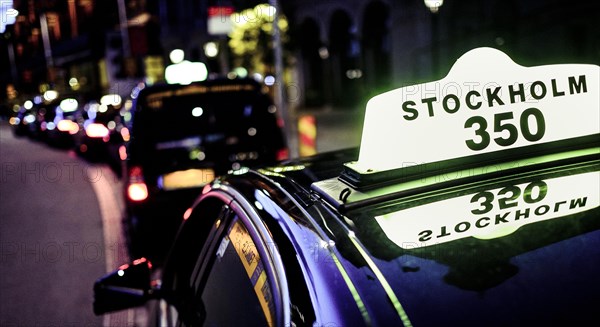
44	111
21	119
30	120
62	123
103	132
182	136
51	118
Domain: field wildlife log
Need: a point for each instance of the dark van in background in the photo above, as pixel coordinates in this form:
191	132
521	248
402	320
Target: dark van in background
182	136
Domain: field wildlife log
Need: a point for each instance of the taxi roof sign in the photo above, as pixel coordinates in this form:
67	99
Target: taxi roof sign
487	109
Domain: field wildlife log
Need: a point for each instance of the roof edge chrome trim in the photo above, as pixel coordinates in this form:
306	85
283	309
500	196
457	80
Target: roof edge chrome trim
349	283
362	178
384	283
257	229
331	190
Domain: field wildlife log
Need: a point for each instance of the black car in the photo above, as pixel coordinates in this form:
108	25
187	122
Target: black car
495	223
51	118
33	116
181	137
63	122
104	133
286	246
23	119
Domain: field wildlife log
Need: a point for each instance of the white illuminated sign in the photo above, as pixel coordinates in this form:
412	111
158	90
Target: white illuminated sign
50	95
111	100
219	20
186	72
8	14
486	104
69	104
492	213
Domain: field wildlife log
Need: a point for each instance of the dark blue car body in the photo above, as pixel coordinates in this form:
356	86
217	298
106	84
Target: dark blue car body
327	262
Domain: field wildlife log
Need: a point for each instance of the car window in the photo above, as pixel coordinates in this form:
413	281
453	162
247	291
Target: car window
235	290
202	230
216	275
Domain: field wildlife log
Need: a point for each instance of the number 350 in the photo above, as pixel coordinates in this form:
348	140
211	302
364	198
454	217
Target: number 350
501	124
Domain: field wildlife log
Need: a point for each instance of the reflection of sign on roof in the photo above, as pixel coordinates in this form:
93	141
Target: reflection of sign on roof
492	213
486	104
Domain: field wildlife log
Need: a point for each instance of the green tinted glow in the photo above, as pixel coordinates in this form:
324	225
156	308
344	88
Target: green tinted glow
483	170
386	286
352	288
498	232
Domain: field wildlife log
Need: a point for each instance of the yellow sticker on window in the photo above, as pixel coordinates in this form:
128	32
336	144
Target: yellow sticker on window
186	179
248	254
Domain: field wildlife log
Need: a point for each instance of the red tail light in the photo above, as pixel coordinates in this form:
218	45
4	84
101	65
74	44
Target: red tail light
123	153
125	134
282	154
280	123
136	188
187	213
141	261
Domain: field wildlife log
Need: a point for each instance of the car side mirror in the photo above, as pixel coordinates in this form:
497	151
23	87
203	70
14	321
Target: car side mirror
129	286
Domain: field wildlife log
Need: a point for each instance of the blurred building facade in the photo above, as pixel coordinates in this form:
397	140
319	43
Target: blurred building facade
54	41
82	47
349	50
342	51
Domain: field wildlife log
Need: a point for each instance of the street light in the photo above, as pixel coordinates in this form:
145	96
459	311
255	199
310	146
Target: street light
211	49
278	58
434	7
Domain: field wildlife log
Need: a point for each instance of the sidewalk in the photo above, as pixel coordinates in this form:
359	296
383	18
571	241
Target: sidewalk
337	128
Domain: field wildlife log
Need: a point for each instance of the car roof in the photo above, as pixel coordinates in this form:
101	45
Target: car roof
246	83
545	261
489	230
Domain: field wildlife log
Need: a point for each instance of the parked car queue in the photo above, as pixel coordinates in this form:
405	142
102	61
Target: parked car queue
181	138
166	141
94	129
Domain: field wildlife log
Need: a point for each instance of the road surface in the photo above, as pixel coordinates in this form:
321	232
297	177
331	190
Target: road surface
59	231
